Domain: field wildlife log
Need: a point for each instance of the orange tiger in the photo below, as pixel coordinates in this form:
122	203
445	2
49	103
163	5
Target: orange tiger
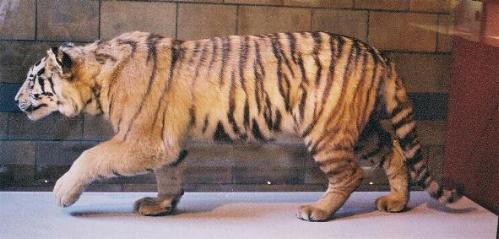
157	92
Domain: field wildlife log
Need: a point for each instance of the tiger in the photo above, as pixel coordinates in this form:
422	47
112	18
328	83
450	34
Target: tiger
330	90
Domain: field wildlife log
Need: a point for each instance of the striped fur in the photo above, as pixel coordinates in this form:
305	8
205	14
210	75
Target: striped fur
330	90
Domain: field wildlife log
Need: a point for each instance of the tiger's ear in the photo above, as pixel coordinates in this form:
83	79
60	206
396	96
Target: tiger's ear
63	58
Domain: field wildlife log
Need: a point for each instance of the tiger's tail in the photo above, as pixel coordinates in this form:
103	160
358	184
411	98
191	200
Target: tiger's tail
401	115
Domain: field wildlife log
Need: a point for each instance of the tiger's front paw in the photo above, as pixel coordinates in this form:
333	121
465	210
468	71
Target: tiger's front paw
159	206
68	189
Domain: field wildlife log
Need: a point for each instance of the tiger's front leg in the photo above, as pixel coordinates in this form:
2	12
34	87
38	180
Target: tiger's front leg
169	183
109	159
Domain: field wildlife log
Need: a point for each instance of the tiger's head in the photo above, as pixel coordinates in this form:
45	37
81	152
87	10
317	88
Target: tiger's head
51	85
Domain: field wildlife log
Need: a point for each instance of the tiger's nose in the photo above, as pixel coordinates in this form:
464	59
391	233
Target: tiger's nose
16	98
17	101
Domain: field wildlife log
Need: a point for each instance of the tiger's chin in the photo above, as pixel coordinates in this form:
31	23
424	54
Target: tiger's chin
37	115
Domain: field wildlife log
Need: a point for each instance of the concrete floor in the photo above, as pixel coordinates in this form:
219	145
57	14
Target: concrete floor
237	215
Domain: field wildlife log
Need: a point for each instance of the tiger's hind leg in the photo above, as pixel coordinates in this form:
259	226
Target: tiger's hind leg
169	183
397	174
344	176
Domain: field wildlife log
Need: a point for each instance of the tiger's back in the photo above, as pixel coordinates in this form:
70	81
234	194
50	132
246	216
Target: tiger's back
253	86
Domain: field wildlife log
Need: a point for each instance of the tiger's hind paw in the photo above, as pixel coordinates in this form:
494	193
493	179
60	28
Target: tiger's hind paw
312	214
158	206
391	203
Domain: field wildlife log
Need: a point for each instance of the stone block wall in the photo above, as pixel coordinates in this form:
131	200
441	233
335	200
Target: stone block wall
34	154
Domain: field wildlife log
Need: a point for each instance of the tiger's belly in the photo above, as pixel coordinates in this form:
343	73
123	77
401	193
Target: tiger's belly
231	127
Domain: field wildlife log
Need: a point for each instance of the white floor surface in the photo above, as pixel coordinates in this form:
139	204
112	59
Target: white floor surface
237	215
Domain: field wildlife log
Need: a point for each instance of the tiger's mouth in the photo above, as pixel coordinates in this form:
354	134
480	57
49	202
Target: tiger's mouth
23	106
33	112
37	112
32	108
